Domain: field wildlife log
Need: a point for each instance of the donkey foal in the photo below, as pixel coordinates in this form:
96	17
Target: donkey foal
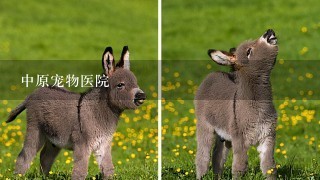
84	123
237	108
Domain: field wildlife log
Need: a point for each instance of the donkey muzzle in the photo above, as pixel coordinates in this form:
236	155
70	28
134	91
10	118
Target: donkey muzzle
270	36
139	98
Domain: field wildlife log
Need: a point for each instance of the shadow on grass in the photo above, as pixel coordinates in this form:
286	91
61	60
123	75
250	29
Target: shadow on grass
173	173
55	175
58	176
286	172
294	171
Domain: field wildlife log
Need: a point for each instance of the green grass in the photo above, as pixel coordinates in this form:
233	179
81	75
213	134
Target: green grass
190	28
60	31
80	30
77	29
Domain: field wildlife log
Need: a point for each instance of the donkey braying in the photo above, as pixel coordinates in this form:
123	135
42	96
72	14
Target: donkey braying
237	108
84	123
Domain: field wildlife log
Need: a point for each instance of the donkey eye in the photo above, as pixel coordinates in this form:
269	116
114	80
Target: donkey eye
120	85
249	52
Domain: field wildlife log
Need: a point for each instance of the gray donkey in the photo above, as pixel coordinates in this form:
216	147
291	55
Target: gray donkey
84	123
237	109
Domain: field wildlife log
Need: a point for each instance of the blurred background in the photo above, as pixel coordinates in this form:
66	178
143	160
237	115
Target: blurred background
69	37
190	28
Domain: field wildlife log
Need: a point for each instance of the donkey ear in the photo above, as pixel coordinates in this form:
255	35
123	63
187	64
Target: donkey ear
108	61
222	57
124	61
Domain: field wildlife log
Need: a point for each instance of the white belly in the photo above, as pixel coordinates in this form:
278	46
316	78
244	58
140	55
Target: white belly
223	134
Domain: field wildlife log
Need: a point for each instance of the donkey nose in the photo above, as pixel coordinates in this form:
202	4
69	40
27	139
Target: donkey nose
270	36
140	95
139	98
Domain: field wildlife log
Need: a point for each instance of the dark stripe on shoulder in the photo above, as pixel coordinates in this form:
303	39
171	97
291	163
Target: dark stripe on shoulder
60	89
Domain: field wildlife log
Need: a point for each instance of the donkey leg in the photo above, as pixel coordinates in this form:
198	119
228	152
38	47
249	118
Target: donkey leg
81	157
47	156
33	142
104	159
267	163
219	156
240	158
205	135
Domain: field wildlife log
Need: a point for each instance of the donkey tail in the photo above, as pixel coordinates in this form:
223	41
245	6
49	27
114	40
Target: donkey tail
14	113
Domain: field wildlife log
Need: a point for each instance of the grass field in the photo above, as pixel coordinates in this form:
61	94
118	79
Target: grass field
52	37
66	32
190	28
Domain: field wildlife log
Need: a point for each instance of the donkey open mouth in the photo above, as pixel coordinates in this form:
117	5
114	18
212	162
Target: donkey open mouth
139	98
270	36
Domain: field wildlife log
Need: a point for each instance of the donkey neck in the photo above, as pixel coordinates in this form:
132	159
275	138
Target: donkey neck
99	97
253	86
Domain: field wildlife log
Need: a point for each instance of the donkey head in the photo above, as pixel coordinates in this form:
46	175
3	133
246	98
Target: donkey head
257	55
123	87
